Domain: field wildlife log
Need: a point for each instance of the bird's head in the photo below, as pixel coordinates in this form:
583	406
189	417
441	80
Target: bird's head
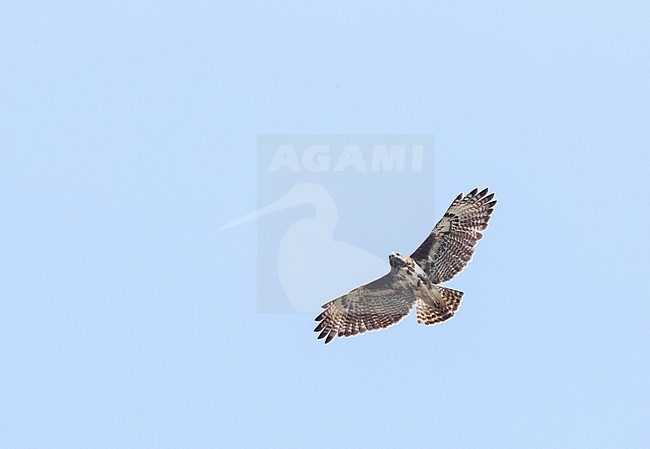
398	261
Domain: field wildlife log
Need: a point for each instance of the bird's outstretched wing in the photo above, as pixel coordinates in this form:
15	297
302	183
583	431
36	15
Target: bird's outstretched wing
450	245
373	306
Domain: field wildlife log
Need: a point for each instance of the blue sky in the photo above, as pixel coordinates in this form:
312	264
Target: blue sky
128	135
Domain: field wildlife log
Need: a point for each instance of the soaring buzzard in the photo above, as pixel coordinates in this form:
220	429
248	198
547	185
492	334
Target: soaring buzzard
413	280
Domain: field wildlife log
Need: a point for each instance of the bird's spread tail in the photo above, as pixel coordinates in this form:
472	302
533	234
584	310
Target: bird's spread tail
440	306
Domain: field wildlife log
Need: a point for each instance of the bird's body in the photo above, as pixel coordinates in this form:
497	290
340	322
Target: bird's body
412	281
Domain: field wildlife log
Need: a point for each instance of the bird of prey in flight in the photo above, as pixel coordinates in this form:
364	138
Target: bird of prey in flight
414	280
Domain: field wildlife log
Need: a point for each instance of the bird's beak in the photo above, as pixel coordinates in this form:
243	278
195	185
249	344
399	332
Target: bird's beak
283	203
